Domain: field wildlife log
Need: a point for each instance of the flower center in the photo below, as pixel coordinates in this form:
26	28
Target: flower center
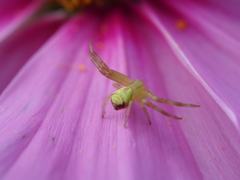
73	5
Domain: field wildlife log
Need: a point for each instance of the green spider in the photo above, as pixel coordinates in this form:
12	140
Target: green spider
132	91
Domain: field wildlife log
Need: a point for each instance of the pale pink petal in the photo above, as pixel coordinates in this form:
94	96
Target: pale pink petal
210	59
22	45
13	13
230	6
220	26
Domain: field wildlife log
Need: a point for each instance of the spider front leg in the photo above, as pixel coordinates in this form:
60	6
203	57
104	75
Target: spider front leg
144	100
145	111
117	86
155	98
105	104
127	113
106	71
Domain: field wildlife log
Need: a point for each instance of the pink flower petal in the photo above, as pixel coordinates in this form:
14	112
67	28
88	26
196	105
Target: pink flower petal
230	6
51	112
214	64
13	13
24	44
218	23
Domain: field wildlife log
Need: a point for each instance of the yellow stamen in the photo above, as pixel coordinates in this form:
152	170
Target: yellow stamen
73	5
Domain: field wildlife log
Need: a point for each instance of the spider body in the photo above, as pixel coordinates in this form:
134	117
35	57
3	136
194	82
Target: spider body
135	90
121	98
138	88
130	92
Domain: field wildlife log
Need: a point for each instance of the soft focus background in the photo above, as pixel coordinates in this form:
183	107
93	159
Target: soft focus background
51	94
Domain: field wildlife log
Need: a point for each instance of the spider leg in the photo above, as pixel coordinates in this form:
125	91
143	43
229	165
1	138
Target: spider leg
155	98
117	86
106	71
128	112
145	111
105	104
160	110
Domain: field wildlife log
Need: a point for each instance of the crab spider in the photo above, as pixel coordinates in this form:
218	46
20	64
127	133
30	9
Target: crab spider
130	91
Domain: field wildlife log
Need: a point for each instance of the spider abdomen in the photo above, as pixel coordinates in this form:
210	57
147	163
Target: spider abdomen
120	98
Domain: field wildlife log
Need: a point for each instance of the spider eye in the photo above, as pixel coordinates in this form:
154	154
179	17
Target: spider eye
120	99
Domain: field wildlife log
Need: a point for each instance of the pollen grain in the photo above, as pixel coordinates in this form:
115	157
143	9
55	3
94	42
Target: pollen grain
82	67
181	25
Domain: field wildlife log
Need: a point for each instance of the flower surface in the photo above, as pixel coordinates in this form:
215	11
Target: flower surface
52	95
